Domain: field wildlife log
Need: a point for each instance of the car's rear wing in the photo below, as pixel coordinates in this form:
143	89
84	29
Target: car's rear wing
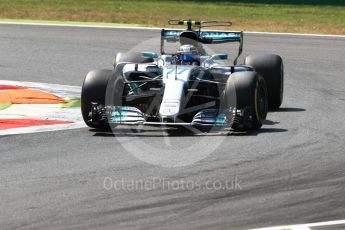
204	37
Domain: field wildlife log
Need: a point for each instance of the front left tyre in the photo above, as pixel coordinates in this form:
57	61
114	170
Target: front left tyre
246	91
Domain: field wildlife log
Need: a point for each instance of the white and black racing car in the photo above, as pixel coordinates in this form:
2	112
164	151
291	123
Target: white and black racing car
187	87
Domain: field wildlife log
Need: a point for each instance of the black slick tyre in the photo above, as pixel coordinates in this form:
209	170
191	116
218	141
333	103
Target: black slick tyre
271	67
94	90
247	91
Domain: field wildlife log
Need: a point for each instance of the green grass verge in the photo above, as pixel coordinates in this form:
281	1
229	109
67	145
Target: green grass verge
299	18
294	2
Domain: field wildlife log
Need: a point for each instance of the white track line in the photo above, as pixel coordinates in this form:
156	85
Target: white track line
297	34
80	25
43	128
304	226
153	28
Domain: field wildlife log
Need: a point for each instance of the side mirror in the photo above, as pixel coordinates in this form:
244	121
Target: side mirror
219	57
149	55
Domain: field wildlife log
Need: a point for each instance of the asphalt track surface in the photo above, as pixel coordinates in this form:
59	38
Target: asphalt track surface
290	172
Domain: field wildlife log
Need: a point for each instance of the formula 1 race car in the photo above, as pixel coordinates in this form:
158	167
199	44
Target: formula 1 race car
187	87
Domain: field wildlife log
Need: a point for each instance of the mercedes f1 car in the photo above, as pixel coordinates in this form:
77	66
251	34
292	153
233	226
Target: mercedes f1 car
187	87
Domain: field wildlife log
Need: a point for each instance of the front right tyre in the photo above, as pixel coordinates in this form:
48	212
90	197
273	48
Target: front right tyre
94	90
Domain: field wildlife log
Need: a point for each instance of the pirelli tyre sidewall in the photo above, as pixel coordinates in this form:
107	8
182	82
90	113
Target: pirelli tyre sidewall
251	94
93	90
271	67
116	85
115	88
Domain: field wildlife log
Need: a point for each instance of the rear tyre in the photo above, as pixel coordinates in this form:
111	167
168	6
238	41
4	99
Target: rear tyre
251	96
271	67
134	57
93	90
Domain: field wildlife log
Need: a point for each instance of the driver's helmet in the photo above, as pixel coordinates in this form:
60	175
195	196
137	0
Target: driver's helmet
188	55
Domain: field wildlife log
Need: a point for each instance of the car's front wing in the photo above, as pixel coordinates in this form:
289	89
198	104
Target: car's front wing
126	115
